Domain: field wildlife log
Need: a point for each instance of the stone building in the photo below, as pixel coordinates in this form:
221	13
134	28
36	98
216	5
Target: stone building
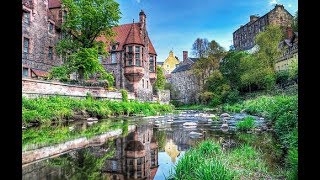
183	81
170	63
41	30
136	156
244	37
132	58
290	50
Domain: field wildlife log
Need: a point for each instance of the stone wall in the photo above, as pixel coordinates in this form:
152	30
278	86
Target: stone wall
35	88
185	85
164	96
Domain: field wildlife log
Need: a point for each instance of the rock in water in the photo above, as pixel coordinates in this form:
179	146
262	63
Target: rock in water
92	119
225	115
189	124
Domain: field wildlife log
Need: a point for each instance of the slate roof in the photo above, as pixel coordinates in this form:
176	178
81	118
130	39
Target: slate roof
185	66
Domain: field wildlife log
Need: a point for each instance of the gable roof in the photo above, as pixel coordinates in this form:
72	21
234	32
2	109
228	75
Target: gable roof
54	4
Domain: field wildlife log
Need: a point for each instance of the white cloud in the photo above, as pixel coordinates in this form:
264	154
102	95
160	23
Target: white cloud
138	1
273	2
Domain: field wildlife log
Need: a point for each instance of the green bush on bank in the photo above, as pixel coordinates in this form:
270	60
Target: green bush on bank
246	124
208	161
56	108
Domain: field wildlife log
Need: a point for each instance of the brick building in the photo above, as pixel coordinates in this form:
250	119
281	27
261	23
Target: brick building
132	58
41	30
184	83
244	37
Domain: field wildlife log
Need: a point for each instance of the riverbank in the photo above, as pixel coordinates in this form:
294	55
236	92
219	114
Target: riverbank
281	113
56	108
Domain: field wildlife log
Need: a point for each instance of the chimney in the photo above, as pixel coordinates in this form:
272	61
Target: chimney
253	18
142	17
289	32
185	55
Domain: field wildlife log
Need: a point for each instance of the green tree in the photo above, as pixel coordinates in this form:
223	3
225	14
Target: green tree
268	43
200	47
230	67
161	80
295	22
86	20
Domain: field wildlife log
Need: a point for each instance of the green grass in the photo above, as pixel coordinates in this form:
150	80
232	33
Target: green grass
246	124
49	135
55	108
282	112
208	161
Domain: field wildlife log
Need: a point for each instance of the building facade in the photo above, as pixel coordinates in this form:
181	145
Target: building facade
41	30
184	83
132	59
244	37
290	51
170	63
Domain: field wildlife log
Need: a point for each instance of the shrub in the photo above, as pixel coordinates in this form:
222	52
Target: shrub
232	97
124	94
206	97
282	77
246	124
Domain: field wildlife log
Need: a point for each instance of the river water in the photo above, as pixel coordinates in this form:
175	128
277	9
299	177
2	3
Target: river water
152	149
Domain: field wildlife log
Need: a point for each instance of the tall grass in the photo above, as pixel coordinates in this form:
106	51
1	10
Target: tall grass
209	161
282	112
56	108
246	124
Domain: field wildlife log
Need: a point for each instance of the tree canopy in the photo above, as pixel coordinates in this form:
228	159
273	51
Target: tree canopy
161	80
85	21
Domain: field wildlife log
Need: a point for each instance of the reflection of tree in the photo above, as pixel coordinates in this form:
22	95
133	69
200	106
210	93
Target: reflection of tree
84	163
161	138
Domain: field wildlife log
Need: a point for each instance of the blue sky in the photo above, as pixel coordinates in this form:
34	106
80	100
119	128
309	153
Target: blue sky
175	24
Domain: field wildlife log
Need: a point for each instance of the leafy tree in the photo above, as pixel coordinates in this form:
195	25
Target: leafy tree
161	80
200	47
293	70
295	22
268	43
86	20
230	67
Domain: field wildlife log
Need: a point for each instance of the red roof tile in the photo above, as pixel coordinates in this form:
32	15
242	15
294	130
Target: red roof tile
134	35
126	34
54	4
40	73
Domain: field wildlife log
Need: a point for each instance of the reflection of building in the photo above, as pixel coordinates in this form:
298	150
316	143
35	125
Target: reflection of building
136	156
172	150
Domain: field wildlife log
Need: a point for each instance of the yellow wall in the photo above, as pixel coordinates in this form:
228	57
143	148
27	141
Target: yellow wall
285	64
170	63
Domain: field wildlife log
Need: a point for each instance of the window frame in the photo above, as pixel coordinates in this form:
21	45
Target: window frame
113	58
23	72
24	45
50	53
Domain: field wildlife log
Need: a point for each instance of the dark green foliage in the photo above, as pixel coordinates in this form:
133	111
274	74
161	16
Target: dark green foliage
124	95
246	124
232	97
282	77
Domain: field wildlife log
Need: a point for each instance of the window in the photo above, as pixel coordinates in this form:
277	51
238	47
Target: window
114	165
51	27
100	58
137	50
138	62
142	83
113	47
26	17
130	48
50	53
167	65
151	62
113	58
129	59
25	72
26	46
147	84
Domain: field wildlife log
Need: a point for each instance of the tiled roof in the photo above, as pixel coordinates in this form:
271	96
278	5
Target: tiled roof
126	34
180	68
133	36
40	73
54	4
